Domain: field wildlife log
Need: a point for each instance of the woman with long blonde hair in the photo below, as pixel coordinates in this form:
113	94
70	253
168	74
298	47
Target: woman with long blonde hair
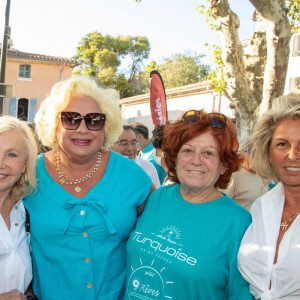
18	152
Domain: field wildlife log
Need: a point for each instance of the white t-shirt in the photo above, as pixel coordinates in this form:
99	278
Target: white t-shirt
257	250
15	261
149	168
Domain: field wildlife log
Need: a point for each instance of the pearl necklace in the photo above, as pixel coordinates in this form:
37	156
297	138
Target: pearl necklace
64	179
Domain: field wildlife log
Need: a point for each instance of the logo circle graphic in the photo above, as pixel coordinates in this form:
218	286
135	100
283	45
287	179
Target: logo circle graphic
145	283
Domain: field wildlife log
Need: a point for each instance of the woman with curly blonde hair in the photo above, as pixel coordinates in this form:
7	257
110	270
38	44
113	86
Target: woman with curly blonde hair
87	202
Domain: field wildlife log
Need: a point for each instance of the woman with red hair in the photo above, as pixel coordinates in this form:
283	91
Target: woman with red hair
185	243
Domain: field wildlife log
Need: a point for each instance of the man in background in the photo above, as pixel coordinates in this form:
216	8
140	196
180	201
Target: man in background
127	146
146	147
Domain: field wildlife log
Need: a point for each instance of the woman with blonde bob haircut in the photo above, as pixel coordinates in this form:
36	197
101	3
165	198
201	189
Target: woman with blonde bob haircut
269	258
87	202
18	152
284	107
108	100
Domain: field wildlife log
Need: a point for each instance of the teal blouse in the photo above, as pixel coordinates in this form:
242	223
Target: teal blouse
78	245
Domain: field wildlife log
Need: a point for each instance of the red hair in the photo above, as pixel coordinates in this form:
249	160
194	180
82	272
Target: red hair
178	133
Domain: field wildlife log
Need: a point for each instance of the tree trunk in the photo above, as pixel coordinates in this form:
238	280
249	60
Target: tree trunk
257	76
237	82
278	34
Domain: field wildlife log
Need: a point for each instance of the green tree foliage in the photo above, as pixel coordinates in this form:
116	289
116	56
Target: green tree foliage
114	61
294	14
179	69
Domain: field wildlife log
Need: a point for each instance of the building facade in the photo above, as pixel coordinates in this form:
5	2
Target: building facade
32	76
197	96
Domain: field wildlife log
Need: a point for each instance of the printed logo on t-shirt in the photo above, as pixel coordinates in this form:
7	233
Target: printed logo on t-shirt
169	233
150	281
164	245
147	283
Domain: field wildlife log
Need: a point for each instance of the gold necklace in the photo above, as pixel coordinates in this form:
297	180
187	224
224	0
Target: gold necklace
64	179
284	225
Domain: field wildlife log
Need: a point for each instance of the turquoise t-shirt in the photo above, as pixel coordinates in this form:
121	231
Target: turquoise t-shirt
147	154
78	245
181	250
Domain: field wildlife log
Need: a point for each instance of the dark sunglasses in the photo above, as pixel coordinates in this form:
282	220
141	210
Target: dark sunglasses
216	120
71	120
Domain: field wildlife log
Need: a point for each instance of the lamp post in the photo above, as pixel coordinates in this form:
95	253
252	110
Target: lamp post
3	56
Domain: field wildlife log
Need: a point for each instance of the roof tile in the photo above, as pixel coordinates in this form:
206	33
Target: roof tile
14	53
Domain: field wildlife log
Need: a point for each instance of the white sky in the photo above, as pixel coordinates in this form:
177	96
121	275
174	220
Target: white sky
56	27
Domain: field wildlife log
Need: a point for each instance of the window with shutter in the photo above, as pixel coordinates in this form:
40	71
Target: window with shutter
24	71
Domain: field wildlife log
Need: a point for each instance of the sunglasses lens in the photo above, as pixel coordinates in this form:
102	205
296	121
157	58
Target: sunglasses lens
217	120
94	121
190	117
70	120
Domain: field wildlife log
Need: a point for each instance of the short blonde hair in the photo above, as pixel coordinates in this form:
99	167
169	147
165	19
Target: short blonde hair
284	107
108	99
22	189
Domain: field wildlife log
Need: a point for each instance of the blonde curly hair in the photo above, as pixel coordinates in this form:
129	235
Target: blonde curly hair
108	99
27	183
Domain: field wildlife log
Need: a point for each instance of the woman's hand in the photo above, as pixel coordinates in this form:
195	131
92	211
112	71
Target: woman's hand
13	295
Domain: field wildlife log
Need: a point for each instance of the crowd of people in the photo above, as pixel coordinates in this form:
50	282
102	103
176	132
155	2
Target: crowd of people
113	213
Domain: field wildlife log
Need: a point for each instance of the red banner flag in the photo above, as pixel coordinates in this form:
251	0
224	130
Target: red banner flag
158	103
